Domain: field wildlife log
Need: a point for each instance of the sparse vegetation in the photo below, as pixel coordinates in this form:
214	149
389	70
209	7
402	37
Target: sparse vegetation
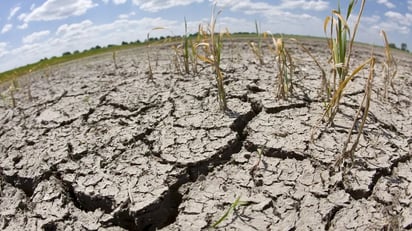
261	137
257	48
114	60
390	67
232	208
212	45
285	69
207	46
340	44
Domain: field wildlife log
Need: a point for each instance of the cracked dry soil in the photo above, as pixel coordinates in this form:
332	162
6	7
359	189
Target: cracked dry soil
98	148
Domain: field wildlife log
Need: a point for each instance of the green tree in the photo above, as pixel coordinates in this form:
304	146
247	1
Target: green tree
404	47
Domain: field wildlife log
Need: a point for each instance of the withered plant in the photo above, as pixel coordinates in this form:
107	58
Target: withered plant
212	45
390	67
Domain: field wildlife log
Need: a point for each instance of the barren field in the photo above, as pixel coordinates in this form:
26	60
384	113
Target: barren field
92	147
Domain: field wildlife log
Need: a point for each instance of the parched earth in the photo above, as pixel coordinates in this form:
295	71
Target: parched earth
93	147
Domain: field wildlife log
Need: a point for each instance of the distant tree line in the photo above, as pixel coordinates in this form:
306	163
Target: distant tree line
404	46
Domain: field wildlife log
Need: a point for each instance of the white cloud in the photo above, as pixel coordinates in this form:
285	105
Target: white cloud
317	5
156	5
3	50
105	1
36	36
410	5
118	2
6	28
126	16
58	9
394	23
369	20
77	28
23	26
250	7
387	3
394	27
402	19
84	35
13	12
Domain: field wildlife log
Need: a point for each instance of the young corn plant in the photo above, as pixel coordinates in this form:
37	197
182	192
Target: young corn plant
285	69
341	48
361	114
212	49
237	203
12	89
176	59
390	67
186	50
185	54
340	44
149	68
114	60
29	95
257	48
194	56
325	83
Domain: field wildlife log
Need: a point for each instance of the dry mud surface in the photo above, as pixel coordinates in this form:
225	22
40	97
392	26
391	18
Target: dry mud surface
91	147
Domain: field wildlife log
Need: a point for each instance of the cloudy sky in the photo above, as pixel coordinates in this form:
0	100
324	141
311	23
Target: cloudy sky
31	30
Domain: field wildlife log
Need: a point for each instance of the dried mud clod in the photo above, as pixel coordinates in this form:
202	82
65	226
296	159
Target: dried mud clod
97	149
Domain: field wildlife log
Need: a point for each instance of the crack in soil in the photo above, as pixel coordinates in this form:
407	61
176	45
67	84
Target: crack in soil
165	210
380	172
26	184
331	215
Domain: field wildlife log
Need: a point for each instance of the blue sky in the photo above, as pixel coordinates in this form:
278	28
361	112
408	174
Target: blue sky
31	30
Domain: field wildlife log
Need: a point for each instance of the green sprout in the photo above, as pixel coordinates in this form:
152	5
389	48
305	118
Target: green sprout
232	208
